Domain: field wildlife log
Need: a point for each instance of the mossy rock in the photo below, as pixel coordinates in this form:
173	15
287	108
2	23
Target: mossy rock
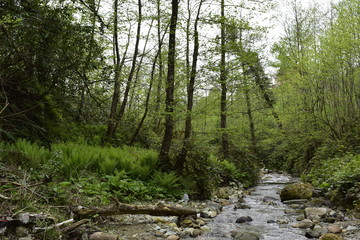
296	191
330	236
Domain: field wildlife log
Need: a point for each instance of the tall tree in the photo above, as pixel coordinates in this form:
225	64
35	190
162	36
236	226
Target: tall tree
164	158
223	83
190	93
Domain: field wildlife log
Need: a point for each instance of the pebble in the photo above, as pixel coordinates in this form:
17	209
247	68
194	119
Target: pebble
173	237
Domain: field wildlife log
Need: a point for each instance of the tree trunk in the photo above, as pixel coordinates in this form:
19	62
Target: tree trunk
148	93
190	96
223	82
118	68
164	159
132	70
119	209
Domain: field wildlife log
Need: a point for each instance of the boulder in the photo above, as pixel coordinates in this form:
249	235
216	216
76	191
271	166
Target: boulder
306	223
296	191
244	219
315	213
330	236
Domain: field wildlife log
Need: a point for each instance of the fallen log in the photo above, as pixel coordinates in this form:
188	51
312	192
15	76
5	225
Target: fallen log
119	209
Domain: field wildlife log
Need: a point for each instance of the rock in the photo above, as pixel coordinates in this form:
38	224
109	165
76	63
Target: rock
208	214
269	199
352	228
315	213
200	222
25	238
173	237
282	221
244	219
205	229
246	236
270	221
241	206
189	231
224	192
296	191
197	232
330	236
306	223
295	201
300	218
334	228
329	219
315	233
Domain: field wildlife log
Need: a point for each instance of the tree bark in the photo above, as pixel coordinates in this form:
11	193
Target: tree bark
223	83
190	96
118	68
132	70
164	159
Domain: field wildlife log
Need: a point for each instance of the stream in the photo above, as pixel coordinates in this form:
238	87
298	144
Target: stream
264	202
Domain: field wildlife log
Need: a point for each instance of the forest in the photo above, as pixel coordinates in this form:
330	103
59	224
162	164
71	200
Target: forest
138	100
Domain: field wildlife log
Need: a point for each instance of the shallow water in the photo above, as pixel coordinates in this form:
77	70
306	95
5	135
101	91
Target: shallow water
260	212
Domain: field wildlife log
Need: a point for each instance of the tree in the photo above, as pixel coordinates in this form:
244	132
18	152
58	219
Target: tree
164	159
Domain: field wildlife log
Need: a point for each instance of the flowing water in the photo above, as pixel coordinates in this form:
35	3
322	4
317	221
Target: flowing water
260	211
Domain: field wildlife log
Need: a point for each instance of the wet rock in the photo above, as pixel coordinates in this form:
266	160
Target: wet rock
334	228
197	232
295	201
329	219
246	236
205	228
269	199
330	236
315	233
241	206
306	223
208	213
173	237
244	219
282	221
270	221
296	191
315	213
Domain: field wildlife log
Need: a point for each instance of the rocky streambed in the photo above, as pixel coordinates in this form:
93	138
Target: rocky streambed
234	213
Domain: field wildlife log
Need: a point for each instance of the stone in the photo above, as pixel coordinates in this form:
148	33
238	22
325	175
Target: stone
313	234
330	236
270	221
246	236
282	221
296	191
173	237
334	228
197	232
244	219
295	201
315	213
241	206
208	214
205	229
189	231
25	238
306	223
329	219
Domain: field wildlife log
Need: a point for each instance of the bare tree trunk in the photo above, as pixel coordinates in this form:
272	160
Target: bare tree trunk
223	82
118	67
131	101
159	85
190	95
164	159
132	70
148	93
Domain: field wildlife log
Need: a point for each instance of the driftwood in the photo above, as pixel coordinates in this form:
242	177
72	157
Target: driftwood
119	209
74	226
